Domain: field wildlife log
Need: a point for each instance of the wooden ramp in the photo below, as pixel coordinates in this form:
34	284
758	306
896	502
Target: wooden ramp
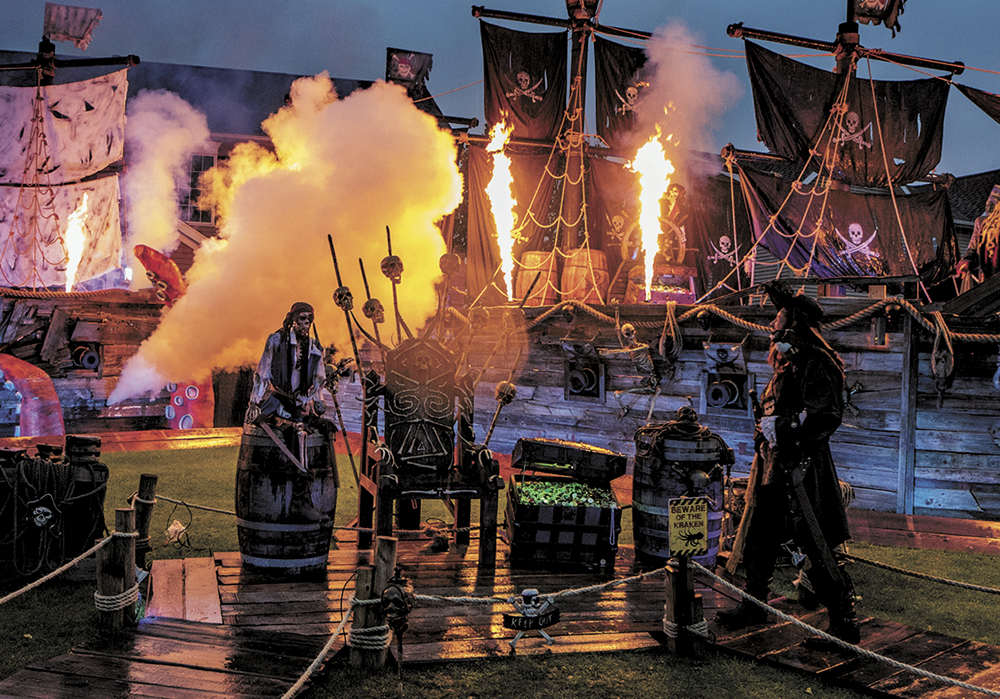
172	659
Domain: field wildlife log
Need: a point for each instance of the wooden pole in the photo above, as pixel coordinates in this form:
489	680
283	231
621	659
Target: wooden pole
143	505
371	581
116	571
681	609
905	479
365	617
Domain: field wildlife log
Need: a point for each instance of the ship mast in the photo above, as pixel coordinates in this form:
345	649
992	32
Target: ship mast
581	22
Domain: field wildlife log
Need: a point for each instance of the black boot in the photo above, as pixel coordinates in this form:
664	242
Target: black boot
301	506
746	613
844	622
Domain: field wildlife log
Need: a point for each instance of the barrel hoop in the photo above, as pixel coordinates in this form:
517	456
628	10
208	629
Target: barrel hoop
277	526
283	562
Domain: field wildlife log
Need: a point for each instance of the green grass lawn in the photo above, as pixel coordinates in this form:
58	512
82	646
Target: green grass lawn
51	619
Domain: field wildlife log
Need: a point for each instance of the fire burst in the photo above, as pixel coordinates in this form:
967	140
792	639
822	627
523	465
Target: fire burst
500	191
75	240
654	177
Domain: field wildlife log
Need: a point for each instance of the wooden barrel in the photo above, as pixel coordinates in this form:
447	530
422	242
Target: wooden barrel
543	264
585	276
273	538
665	467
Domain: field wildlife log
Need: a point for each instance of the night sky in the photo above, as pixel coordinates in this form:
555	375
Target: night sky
348	38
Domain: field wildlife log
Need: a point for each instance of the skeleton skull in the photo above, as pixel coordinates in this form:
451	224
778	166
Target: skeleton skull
852	121
450	264
524	80
631	94
392	267
374	311
725	243
617	222
628	333
856	232
41	516
343	298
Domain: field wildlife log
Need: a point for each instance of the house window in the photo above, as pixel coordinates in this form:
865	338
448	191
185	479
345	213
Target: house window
189	191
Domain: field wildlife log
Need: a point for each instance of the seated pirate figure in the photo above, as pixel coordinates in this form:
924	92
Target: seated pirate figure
286	394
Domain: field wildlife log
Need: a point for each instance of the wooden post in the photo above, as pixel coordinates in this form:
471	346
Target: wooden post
371	581
143	504
116	571
907	419
365	616
681	609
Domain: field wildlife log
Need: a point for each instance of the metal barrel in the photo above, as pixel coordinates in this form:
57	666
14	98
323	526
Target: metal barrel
272	537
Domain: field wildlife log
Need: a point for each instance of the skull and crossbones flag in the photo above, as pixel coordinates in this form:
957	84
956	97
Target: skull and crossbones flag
793	103
838	233
525	80
407	68
879	12
619	78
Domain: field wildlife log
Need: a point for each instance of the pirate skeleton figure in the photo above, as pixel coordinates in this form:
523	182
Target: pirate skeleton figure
524	88
850	131
856	243
286	395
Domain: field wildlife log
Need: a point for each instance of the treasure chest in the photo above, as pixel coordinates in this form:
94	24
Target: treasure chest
560	506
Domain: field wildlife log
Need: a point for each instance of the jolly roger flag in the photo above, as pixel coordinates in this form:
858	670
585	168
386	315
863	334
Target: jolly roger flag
525	79
619	80
793	103
407	68
837	233
879	12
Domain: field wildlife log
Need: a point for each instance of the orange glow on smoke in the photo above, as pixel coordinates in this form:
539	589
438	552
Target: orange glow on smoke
654	170
76	239
500	191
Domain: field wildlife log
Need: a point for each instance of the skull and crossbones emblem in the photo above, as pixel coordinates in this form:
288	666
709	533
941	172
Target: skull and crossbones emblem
524	88
617	226
856	241
628	102
724	250
851	131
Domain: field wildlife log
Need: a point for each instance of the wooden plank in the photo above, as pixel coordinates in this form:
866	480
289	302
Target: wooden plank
974	663
907	420
201	591
167	598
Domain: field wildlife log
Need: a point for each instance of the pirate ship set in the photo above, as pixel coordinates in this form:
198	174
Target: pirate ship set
825	209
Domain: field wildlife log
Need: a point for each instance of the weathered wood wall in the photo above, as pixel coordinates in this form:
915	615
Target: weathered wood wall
40	328
900	454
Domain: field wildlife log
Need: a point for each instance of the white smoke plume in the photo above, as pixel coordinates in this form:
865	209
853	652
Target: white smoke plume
687	94
346	168
162	133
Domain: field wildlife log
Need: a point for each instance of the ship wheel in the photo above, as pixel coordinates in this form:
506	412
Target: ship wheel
672	246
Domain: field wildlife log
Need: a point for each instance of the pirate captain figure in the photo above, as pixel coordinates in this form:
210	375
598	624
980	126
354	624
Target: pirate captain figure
286	403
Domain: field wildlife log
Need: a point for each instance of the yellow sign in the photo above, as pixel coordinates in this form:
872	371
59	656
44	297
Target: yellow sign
688	526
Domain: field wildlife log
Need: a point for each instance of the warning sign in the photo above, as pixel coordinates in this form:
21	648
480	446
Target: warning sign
688	526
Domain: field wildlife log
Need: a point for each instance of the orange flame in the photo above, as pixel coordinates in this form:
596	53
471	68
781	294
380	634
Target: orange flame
500	191
76	238
654	177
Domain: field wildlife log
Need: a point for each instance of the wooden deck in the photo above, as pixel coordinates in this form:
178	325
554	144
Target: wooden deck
268	629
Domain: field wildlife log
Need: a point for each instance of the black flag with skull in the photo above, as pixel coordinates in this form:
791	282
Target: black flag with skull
525	80
793	103
837	233
619	78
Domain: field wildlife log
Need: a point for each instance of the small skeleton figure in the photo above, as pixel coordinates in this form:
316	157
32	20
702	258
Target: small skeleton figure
531	606
524	87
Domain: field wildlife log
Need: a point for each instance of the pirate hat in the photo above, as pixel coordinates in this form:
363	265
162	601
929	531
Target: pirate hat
803	306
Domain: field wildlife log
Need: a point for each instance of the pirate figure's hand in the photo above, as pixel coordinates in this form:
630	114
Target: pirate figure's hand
252	414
